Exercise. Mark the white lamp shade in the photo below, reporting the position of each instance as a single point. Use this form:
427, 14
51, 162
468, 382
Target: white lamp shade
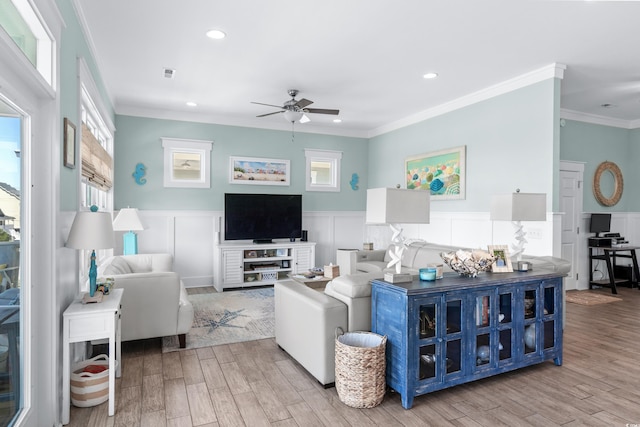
519, 207
397, 206
91, 230
127, 220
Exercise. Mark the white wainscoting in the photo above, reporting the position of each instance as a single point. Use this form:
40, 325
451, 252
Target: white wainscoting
190, 237
473, 230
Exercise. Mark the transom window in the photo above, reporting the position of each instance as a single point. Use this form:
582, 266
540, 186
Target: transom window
323, 170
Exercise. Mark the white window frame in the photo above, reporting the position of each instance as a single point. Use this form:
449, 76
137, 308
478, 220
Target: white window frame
202, 149
328, 156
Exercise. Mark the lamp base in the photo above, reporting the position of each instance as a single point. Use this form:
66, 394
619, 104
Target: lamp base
398, 277
129, 243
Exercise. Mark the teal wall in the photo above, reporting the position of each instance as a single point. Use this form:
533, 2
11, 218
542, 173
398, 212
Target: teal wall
73, 46
594, 144
511, 142
138, 141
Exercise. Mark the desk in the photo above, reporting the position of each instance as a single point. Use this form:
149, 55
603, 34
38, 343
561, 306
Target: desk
609, 256
86, 322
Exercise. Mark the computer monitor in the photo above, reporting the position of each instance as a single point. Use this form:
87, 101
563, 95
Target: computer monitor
600, 223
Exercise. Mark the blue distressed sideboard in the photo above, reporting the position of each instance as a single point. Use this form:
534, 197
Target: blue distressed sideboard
460, 329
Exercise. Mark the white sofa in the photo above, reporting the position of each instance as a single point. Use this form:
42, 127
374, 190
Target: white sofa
306, 319
418, 254
155, 302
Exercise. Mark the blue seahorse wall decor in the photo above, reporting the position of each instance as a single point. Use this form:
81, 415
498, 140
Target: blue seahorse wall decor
139, 173
354, 181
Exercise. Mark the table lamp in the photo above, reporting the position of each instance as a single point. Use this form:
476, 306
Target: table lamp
394, 206
518, 207
91, 230
128, 220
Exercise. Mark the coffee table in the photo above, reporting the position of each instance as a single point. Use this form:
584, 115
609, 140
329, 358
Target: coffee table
318, 282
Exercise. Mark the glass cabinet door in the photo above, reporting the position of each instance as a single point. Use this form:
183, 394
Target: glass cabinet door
506, 300
482, 317
453, 335
531, 306
427, 328
549, 310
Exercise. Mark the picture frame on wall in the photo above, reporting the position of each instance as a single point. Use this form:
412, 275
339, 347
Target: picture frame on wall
442, 172
502, 264
259, 171
69, 141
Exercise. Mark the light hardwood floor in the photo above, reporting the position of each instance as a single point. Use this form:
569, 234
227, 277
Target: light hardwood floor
257, 384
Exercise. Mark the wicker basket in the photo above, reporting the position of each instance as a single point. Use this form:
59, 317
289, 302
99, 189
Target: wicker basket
360, 368
89, 389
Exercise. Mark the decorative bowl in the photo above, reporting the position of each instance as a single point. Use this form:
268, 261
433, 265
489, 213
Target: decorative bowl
468, 263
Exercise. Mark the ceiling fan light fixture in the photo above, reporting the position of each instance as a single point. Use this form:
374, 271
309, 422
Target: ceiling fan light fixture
216, 34
337, 120
292, 116
304, 119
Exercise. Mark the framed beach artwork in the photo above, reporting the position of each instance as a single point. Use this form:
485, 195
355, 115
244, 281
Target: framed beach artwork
259, 171
440, 172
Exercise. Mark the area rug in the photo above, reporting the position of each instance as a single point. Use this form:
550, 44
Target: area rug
590, 298
228, 317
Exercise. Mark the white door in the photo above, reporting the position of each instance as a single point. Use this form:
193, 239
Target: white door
571, 178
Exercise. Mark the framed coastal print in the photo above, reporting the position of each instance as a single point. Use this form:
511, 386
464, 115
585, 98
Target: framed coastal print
502, 264
440, 172
259, 171
69, 144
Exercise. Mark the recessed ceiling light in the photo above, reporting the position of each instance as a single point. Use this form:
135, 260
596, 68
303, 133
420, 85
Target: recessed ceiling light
216, 34
430, 75
192, 104
337, 120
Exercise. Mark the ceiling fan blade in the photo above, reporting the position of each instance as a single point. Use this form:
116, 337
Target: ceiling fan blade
321, 111
303, 103
268, 105
269, 114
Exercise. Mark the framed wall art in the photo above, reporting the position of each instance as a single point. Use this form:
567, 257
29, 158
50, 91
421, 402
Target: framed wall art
502, 264
69, 136
440, 172
259, 171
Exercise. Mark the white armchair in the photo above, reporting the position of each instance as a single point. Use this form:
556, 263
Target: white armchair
155, 302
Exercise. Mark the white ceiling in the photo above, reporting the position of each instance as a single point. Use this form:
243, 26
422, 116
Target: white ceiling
364, 57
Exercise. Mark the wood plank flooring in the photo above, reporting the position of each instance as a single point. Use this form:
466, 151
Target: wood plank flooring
257, 384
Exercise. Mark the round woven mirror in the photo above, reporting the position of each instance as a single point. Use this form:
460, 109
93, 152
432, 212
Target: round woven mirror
618, 183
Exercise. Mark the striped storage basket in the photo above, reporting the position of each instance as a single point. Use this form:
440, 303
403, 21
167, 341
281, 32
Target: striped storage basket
89, 389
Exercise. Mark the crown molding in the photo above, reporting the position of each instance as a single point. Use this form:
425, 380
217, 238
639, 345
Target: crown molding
598, 120
550, 71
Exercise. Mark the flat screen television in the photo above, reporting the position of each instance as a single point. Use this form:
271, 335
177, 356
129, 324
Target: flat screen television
600, 223
262, 217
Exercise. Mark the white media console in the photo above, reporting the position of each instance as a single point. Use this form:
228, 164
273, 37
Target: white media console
240, 265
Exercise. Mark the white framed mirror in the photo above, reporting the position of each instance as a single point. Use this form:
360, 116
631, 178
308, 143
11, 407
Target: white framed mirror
187, 163
323, 170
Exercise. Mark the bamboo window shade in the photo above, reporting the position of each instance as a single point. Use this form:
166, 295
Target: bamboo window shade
97, 164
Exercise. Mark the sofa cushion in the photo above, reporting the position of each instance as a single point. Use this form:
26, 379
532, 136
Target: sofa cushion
141, 263
353, 285
116, 265
371, 266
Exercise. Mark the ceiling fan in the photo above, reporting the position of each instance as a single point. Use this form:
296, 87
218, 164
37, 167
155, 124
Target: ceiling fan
294, 110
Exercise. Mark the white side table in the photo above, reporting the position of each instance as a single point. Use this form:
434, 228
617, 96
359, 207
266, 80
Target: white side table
86, 322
